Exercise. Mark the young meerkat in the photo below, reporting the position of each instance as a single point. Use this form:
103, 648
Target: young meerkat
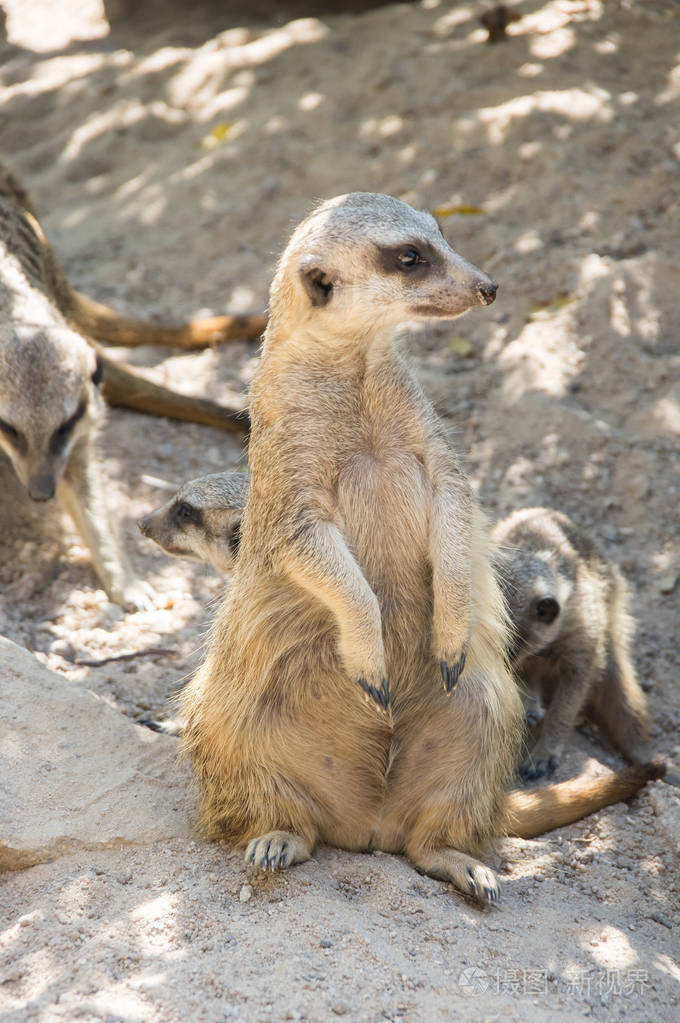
202, 520
363, 568
50, 407
571, 635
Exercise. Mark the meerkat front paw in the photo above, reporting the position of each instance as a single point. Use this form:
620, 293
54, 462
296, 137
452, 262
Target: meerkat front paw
276, 850
451, 671
378, 691
135, 595
365, 664
451, 642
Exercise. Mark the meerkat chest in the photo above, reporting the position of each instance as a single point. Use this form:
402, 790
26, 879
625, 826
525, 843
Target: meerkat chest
383, 503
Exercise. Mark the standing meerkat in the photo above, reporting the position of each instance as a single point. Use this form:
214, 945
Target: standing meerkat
571, 635
50, 407
202, 520
364, 568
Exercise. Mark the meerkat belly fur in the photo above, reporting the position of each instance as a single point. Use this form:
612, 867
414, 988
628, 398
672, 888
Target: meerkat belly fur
202, 520
363, 569
571, 635
50, 407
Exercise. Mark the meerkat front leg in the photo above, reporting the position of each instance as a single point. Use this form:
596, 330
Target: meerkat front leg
321, 563
450, 553
559, 719
82, 491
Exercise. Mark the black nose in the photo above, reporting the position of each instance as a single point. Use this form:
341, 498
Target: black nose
486, 291
41, 487
144, 525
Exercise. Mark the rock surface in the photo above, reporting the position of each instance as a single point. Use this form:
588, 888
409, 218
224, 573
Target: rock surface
76, 774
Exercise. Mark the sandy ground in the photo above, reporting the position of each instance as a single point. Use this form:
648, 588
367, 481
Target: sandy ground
169, 157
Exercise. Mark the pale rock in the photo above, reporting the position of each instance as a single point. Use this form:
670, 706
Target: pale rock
76, 774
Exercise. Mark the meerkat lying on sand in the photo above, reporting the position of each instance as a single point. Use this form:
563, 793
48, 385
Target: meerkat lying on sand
572, 631
202, 520
363, 570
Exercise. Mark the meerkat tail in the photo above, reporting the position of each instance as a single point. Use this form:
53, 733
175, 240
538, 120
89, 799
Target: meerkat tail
533, 812
104, 324
123, 385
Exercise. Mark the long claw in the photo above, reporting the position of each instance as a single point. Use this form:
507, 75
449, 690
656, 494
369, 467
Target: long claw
386, 692
452, 674
381, 695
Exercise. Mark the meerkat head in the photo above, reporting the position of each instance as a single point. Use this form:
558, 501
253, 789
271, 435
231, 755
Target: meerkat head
535, 593
203, 519
48, 399
366, 261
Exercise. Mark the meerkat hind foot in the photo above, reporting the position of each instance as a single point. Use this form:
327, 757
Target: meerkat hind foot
468, 875
276, 850
534, 768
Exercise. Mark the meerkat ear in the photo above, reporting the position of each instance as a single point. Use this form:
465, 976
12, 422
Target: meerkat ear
318, 283
547, 610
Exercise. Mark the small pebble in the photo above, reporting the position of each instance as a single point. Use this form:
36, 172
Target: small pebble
62, 648
246, 893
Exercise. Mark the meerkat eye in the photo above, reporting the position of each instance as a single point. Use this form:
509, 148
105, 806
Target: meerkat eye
409, 257
61, 435
10, 432
185, 513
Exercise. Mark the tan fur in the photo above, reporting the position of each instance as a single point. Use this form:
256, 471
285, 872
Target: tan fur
363, 556
50, 408
579, 659
531, 813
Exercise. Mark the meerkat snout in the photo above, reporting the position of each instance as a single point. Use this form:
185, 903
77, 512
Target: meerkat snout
486, 291
547, 610
144, 525
41, 487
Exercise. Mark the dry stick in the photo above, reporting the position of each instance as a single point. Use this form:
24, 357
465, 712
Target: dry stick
104, 324
532, 812
96, 662
123, 385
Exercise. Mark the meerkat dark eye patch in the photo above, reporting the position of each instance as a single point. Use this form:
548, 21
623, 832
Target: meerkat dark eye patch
414, 259
13, 435
547, 610
98, 372
186, 514
318, 285
62, 434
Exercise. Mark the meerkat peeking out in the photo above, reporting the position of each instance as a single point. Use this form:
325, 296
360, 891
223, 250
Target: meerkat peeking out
571, 636
356, 690
203, 519
50, 407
